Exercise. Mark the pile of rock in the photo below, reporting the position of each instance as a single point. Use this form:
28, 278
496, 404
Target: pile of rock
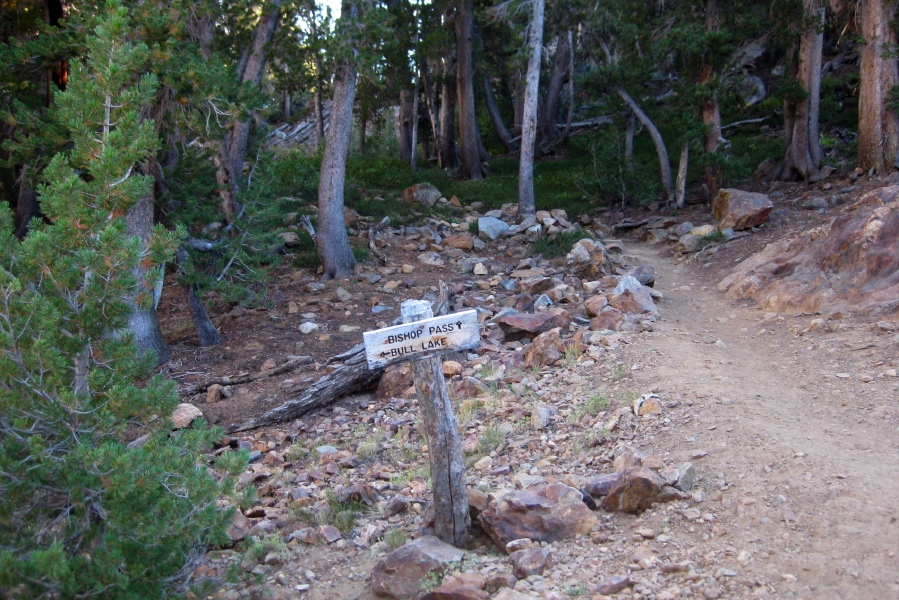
734, 210
851, 265
524, 523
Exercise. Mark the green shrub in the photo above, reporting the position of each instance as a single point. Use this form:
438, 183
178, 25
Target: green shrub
558, 245
82, 514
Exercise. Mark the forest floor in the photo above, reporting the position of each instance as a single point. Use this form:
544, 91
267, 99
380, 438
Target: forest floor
793, 428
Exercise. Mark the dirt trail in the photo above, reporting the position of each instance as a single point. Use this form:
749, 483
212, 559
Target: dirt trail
801, 449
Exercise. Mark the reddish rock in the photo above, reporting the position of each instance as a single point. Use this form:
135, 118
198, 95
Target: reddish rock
421, 193
462, 241
531, 325
350, 218
600, 485
239, 527
546, 513
531, 561
637, 489
273, 459
594, 304
544, 350
470, 387
613, 585
329, 534
395, 506
628, 458
535, 285
184, 415
634, 302
465, 586
738, 209
608, 318
587, 259
451, 368
365, 494
394, 382
852, 265
499, 581
401, 574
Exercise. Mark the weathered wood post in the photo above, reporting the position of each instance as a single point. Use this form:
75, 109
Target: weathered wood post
422, 339
453, 520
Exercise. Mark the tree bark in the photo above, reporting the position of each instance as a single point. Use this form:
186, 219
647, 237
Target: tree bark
469, 136
431, 106
27, 205
497, 119
414, 146
404, 125
878, 123
317, 93
661, 150
143, 322
446, 153
527, 204
801, 114
549, 115
629, 142
332, 242
711, 111
251, 74
680, 188
570, 116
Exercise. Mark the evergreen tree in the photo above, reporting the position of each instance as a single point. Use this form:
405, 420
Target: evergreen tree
82, 514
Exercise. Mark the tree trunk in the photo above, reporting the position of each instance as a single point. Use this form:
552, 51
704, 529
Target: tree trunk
447, 145
143, 322
251, 74
497, 119
414, 146
469, 136
431, 105
518, 112
363, 124
332, 242
801, 114
549, 116
711, 111
629, 142
27, 205
404, 125
878, 123
680, 188
527, 204
317, 95
661, 150
570, 116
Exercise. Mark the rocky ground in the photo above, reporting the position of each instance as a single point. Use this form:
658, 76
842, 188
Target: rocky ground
787, 425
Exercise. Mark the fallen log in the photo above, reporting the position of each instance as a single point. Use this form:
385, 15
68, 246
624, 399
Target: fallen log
351, 376
199, 388
627, 224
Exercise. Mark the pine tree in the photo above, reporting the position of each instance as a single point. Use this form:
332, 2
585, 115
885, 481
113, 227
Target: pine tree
82, 514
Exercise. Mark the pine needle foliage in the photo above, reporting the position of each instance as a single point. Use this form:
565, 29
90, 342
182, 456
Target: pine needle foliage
82, 514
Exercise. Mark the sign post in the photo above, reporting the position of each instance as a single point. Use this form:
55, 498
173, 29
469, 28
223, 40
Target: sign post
422, 338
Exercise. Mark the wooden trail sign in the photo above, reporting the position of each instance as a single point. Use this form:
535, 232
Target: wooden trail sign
422, 339
413, 341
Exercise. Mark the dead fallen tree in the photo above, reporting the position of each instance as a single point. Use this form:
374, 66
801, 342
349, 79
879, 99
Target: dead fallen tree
351, 376
199, 388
